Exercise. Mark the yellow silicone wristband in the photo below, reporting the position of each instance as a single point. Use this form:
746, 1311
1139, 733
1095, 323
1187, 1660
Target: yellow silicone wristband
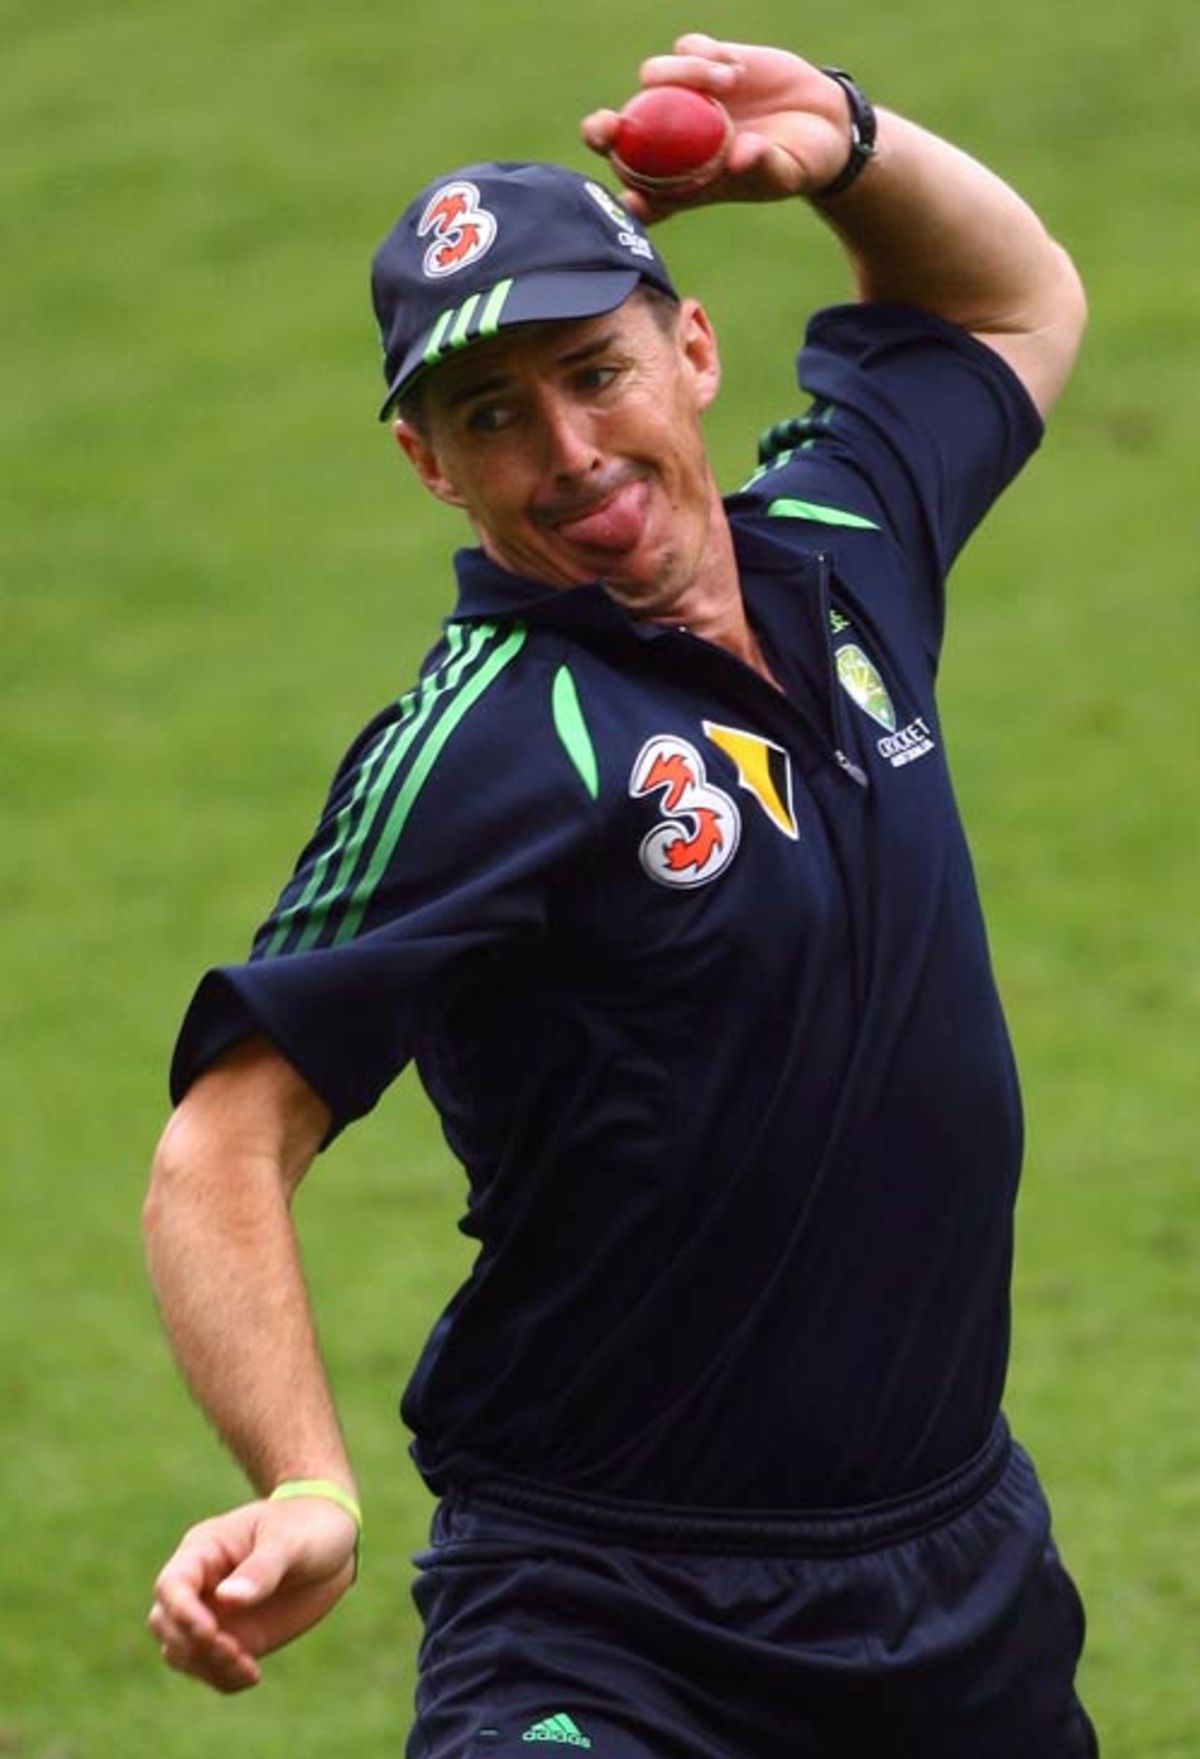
319, 1487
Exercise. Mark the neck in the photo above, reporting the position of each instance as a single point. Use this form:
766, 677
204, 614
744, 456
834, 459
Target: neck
731, 629
712, 606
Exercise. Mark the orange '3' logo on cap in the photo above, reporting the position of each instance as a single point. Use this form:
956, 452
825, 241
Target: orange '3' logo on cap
463, 231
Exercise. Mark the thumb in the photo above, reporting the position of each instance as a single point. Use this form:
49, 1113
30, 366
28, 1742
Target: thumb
256, 1577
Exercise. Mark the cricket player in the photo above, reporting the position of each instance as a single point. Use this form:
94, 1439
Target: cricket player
657, 877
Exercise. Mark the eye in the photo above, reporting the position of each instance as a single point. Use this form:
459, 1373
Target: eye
597, 378
489, 418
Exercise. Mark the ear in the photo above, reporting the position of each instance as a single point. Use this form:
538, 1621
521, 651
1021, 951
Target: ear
698, 345
423, 456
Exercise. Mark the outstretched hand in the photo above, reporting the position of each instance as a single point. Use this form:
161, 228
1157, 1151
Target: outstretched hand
247, 1582
791, 124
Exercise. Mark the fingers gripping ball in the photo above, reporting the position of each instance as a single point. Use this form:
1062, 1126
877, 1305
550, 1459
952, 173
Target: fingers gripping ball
670, 140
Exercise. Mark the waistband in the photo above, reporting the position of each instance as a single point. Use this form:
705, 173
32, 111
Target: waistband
792, 1533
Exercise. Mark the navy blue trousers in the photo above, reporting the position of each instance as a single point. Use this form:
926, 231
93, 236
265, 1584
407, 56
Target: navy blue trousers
939, 1627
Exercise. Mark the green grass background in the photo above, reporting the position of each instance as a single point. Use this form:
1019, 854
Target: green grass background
213, 568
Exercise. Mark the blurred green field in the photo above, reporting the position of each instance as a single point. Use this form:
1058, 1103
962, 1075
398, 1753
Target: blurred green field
212, 568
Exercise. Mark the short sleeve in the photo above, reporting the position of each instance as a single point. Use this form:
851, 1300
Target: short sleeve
927, 423
441, 837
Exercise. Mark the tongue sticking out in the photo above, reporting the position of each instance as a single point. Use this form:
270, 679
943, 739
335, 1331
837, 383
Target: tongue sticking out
616, 524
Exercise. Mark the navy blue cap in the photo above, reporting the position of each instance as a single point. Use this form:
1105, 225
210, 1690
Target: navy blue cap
491, 245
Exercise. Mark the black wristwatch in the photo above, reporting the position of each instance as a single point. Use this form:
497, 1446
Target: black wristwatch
862, 136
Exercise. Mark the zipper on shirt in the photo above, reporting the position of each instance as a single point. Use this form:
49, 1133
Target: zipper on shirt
839, 718
853, 770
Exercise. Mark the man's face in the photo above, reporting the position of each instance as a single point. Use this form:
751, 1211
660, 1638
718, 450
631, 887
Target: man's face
575, 449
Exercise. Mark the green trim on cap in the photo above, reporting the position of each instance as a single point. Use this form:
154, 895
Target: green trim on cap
457, 325
433, 348
462, 324
489, 321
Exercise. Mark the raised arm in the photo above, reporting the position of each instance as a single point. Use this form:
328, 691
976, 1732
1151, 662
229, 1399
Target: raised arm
925, 224
226, 1272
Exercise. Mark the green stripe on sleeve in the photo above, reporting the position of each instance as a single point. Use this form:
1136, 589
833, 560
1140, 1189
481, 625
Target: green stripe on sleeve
353, 824
436, 689
572, 729
788, 509
429, 753
345, 829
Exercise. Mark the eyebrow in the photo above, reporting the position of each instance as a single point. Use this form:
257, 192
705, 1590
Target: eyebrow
490, 384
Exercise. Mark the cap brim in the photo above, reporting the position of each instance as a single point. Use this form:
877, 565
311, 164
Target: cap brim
525, 299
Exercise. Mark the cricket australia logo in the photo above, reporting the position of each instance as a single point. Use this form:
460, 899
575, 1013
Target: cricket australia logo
463, 231
862, 683
626, 233
698, 834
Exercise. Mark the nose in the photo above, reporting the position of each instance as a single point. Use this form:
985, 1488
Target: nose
567, 438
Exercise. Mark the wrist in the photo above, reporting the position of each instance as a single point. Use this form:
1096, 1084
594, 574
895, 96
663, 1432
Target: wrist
327, 1490
322, 1487
863, 129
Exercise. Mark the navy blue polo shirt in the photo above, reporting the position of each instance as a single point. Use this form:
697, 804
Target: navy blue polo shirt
695, 973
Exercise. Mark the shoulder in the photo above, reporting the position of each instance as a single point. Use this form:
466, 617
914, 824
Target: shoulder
905, 391
465, 773
484, 689
914, 427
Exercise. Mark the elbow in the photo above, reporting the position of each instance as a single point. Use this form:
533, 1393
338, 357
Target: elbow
1061, 334
1042, 344
235, 1148
1071, 302
197, 1193
185, 1176
166, 1175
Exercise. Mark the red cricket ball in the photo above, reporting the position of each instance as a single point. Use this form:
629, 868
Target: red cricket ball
670, 139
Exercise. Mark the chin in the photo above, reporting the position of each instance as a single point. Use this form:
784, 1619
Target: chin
660, 579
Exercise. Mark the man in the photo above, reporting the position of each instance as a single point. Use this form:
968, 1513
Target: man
658, 878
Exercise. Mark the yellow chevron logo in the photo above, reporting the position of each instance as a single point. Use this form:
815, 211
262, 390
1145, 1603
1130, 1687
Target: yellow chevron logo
764, 769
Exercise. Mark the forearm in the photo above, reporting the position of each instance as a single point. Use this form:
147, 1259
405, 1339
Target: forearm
226, 1271
928, 225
